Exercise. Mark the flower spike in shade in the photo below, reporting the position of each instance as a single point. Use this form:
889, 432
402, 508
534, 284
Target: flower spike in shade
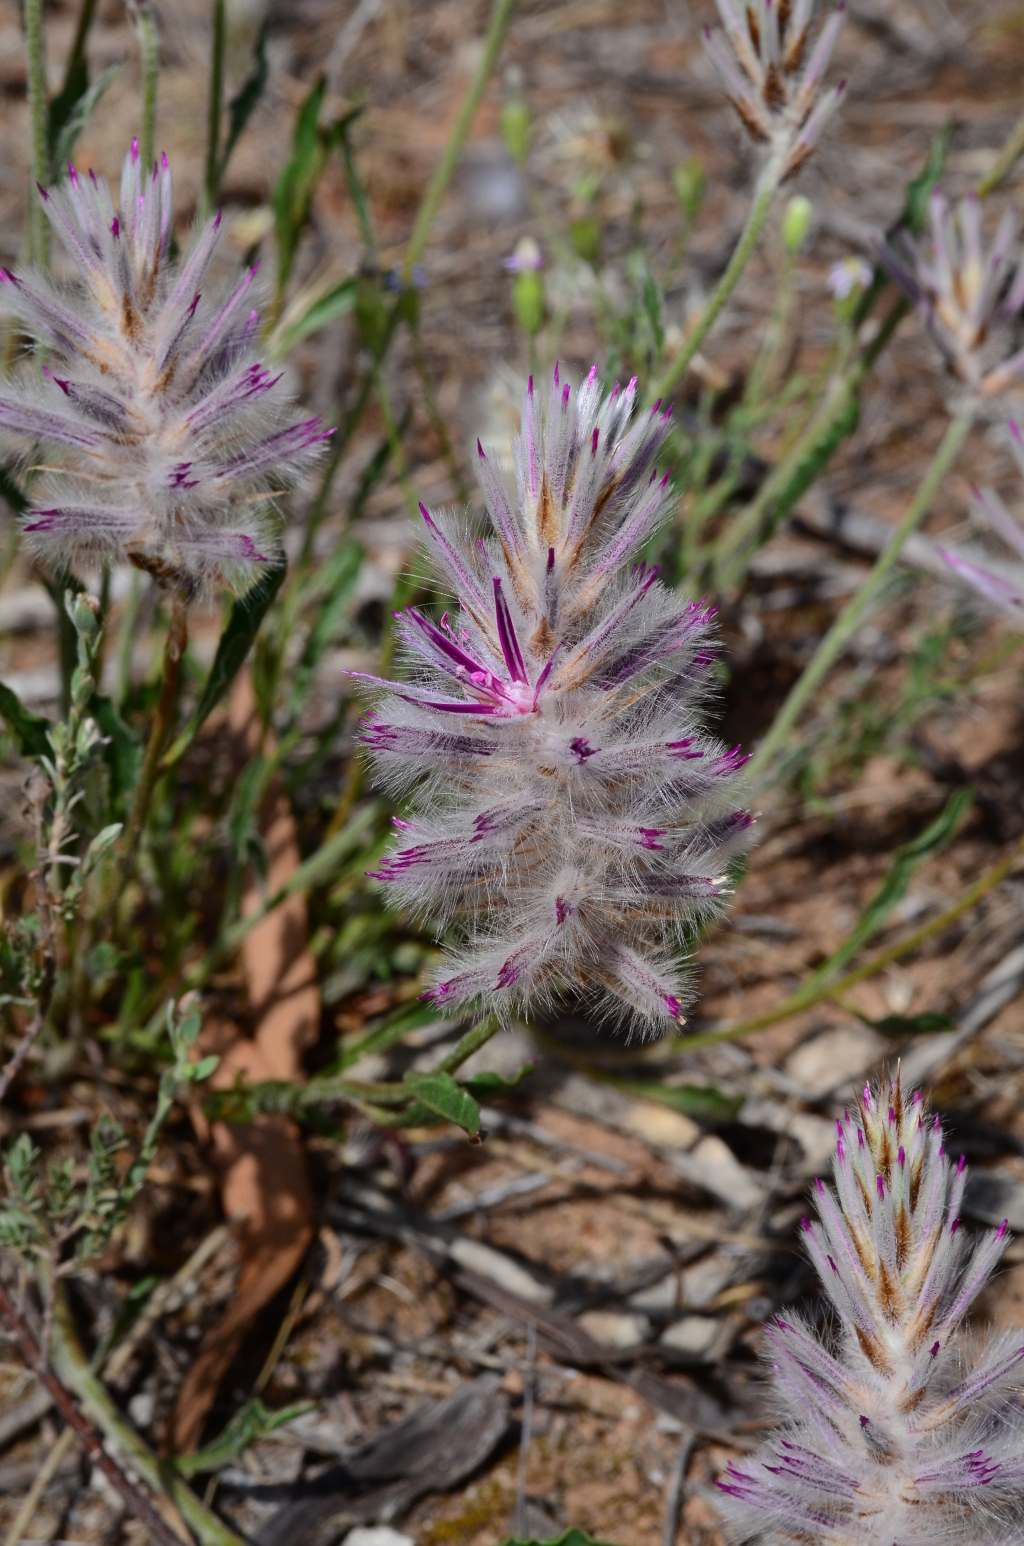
165, 438
771, 75
570, 817
1002, 585
903, 1429
961, 290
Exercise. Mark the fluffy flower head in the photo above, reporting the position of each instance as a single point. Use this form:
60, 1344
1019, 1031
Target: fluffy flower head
900, 1432
1001, 585
164, 436
763, 70
960, 290
568, 812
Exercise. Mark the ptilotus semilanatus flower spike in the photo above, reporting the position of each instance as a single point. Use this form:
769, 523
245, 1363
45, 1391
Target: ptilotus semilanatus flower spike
163, 438
902, 1430
963, 292
773, 75
1001, 586
568, 813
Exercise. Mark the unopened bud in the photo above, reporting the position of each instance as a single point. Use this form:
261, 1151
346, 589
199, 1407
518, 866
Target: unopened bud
796, 222
516, 129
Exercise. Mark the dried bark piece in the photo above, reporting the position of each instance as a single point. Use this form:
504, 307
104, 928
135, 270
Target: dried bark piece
434, 1448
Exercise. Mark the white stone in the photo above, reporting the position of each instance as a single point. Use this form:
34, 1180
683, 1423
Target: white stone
501, 1269
694, 1335
830, 1060
613, 1329
377, 1535
713, 1166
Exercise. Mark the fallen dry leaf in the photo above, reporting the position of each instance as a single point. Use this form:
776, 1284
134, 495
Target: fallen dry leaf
261, 1165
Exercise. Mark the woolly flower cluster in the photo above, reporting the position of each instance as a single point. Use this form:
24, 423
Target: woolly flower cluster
961, 291
568, 812
779, 102
163, 435
1005, 587
902, 1434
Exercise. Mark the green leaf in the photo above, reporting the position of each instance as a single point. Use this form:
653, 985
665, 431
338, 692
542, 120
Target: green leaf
910, 1025
205, 1067
122, 752
334, 303
488, 1086
897, 878
64, 135
337, 580
253, 1422
242, 105
919, 189
440, 1094
294, 189
702, 1101
247, 614
31, 731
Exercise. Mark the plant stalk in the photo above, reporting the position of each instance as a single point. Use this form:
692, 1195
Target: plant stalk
174, 649
767, 186
806, 997
854, 614
210, 189
501, 16
149, 49
35, 48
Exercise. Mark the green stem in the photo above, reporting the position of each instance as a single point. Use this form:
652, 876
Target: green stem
807, 996
764, 196
174, 649
854, 614
149, 50
501, 15
476, 1037
803, 463
395, 444
72, 1369
1004, 161
35, 48
216, 97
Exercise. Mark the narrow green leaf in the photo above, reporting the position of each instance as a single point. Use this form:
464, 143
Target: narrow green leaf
573, 1537
440, 1093
335, 303
122, 752
336, 582
251, 1423
919, 189
65, 138
247, 614
31, 731
894, 886
488, 1086
410, 1017
702, 1101
910, 1025
242, 105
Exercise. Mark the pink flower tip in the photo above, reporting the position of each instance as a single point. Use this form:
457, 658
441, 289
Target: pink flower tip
135, 150
881, 1188
1001, 1231
933, 1350
42, 191
961, 1162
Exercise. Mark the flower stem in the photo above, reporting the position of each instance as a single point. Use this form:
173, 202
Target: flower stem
474, 1038
149, 49
501, 15
216, 95
767, 186
854, 614
174, 649
35, 48
807, 996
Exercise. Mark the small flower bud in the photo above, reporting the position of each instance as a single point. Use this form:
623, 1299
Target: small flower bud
796, 223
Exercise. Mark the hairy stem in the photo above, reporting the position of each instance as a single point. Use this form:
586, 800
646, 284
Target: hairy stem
474, 1038
210, 189
149, 49
56, 1382
501, 15
72, 1368
854, 614
35, 48
803, 463
767, 186
21, 1051
174, 649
